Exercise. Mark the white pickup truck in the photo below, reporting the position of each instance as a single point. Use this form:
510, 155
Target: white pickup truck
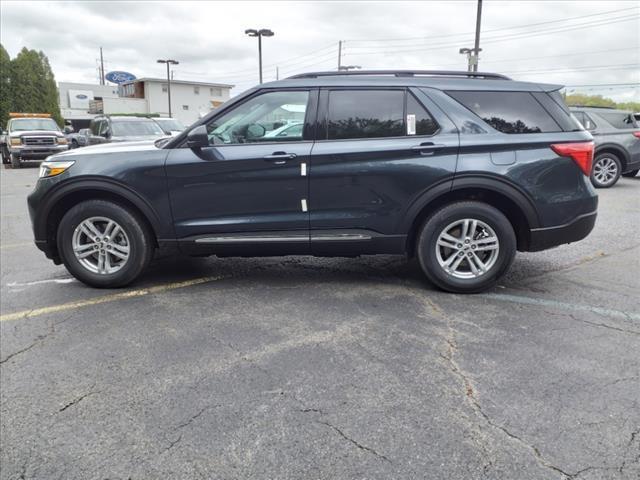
30, 136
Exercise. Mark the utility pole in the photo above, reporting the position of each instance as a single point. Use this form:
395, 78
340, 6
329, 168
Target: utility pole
263, 32
473, 54
476, 47
277, 73
169, 63
101, 68
339, 55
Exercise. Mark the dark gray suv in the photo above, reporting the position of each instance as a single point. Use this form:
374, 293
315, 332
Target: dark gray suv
617, 142
458, 169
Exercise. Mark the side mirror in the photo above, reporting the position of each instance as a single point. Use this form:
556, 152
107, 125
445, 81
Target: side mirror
255, 130
107, 133
197, 137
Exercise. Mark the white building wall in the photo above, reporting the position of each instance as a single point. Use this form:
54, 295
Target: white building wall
183, 96
101, 91
125, 105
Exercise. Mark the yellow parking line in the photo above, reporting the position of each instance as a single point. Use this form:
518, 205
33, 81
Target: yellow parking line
16, 245
104, 299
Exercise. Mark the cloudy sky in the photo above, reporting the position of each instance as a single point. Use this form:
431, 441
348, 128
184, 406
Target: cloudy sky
576, 43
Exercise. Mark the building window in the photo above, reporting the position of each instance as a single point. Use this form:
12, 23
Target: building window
215, 91
196, 90
165, 88
185, 107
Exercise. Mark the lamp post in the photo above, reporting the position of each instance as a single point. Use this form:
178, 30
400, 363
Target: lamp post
169, 62
263, 32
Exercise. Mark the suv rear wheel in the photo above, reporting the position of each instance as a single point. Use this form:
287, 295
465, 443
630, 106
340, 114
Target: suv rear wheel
104, 244
466, 247
606, 170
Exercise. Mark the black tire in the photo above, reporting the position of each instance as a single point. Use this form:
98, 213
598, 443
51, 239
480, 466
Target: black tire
141, 243
74, 143
15, 161
6, 159
438, 222
602, 159
631, 174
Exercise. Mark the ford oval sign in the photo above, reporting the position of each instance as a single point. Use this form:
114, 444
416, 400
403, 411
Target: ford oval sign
120, 77
81, 96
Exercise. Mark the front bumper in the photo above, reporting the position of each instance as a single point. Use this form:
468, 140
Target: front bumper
37, 153
549, 237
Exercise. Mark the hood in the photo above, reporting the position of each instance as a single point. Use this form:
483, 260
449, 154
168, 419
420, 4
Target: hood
106, 148
134, 138
29, 133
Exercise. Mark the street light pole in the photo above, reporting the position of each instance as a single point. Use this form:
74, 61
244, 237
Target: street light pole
169, 62
263, 32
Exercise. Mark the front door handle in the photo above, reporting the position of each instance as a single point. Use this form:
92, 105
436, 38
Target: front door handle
425, 147
279, 158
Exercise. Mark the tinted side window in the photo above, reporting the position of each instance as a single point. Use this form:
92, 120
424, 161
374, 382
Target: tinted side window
618, 119
508, 112
94, 126
262, 119
424, 123
365, 114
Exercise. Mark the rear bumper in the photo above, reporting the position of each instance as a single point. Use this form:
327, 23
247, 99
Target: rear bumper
548, 237
633, 163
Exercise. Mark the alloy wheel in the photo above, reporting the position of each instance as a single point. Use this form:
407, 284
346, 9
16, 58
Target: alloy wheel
605, 170
467, 248
101, 245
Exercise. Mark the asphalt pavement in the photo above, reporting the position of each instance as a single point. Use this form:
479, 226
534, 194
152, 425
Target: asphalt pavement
311, 368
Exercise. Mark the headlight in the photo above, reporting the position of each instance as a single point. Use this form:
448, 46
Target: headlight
16, 141
62, 141
51, 169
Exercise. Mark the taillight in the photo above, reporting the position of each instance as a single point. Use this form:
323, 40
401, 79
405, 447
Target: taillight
581, 153
636, 134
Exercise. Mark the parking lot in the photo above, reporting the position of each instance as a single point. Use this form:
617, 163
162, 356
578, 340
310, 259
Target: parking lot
311, 368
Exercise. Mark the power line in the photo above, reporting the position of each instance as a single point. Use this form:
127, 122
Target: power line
493, 39
497, 29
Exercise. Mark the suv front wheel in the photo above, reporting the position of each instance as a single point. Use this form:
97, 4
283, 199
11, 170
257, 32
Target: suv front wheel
466, 247
104, 244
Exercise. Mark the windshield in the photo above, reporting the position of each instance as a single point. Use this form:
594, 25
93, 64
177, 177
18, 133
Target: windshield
133, 128
170, 124
25, 124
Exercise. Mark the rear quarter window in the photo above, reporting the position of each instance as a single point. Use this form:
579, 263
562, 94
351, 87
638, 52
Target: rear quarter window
620, 120
508, 112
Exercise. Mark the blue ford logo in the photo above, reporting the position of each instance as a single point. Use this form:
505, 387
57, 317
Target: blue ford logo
81, 96
120, 77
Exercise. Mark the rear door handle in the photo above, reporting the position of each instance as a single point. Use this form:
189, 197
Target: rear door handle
279, 158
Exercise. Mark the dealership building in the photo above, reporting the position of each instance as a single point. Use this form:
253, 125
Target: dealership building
80, 102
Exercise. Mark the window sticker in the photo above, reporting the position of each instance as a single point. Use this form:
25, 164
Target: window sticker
411, 124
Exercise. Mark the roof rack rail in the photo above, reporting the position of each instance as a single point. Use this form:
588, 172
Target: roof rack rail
404, 73
592, 106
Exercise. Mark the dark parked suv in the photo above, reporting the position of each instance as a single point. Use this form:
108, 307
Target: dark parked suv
459, 169
617, 143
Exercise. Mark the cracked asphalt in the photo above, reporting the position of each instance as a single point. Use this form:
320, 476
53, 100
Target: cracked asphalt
309, 368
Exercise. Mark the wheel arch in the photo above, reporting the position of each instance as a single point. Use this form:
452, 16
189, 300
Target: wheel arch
614, 149
509, 200
71, 194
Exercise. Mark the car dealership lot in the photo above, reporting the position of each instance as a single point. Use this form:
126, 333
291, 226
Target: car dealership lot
303, 367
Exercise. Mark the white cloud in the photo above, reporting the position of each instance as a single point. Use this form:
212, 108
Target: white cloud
208, 38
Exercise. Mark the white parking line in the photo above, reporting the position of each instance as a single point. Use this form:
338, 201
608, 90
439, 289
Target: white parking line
607, 312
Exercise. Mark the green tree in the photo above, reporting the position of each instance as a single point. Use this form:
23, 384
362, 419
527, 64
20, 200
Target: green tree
33, 85
581, 99
5, 86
